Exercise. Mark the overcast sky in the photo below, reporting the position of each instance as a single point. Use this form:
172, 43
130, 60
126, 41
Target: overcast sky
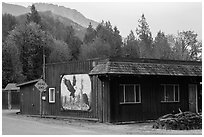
170, 17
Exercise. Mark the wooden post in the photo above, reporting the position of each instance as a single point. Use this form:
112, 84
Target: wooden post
41, 105
9, 99
43, 66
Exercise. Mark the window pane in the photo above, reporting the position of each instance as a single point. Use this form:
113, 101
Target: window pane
51, 94
137, 93
176, 93
169, 93
121, 93
129, 93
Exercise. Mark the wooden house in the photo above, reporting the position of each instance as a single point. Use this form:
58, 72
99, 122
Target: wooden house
120, 90
11, 97
29, 98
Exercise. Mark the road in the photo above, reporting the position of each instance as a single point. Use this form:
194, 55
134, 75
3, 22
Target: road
13, 124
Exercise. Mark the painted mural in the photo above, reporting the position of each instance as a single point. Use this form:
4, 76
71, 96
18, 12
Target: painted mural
76, 92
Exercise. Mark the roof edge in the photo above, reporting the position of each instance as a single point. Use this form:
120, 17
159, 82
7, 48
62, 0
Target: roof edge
28, 82
150, 60
106, 70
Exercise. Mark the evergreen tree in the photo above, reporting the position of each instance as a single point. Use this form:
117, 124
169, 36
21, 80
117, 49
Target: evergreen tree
131, 46
145, 37
73, 42
116, 42
8, 23
29, 41
90, 34
97, 49
7, 67
110, 36
34, 16
162, 48
104, 31
11, 65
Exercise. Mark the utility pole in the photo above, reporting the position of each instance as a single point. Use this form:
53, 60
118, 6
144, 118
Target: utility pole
43, 62
41, 105
43, 66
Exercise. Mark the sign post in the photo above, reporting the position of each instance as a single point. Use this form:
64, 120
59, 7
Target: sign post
41, 86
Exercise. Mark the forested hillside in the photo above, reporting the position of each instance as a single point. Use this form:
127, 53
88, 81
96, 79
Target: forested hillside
56, 24
62, 11
27, 37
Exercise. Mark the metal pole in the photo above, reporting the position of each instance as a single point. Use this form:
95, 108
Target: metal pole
40, 104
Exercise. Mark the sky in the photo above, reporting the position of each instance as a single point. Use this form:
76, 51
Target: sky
169, 17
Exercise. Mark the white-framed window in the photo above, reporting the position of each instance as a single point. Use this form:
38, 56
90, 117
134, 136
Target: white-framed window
170, 93
130, 93
51, 95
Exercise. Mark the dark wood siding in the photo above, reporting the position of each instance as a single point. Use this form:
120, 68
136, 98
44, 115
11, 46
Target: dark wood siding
106, 100
105, 105
54, 73
5, 100
101, 93
15, 100
123, 112
151, 106
29, 100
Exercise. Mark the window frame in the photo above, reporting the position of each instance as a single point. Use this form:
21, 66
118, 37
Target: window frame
135, 96
164, 94
53, 95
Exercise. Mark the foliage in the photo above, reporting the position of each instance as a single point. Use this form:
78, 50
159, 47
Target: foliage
97, 49
7, 67
111, 36
60, 52
33, 16
11, 65
145, 37
30, 41
162, 48
131, 46
24, 41
90, 34
116, 43
73, 42
54, 27
8, 23
143, 30
106, 42
188, 46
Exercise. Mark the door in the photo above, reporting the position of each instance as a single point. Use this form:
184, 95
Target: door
193, 98
199, 97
